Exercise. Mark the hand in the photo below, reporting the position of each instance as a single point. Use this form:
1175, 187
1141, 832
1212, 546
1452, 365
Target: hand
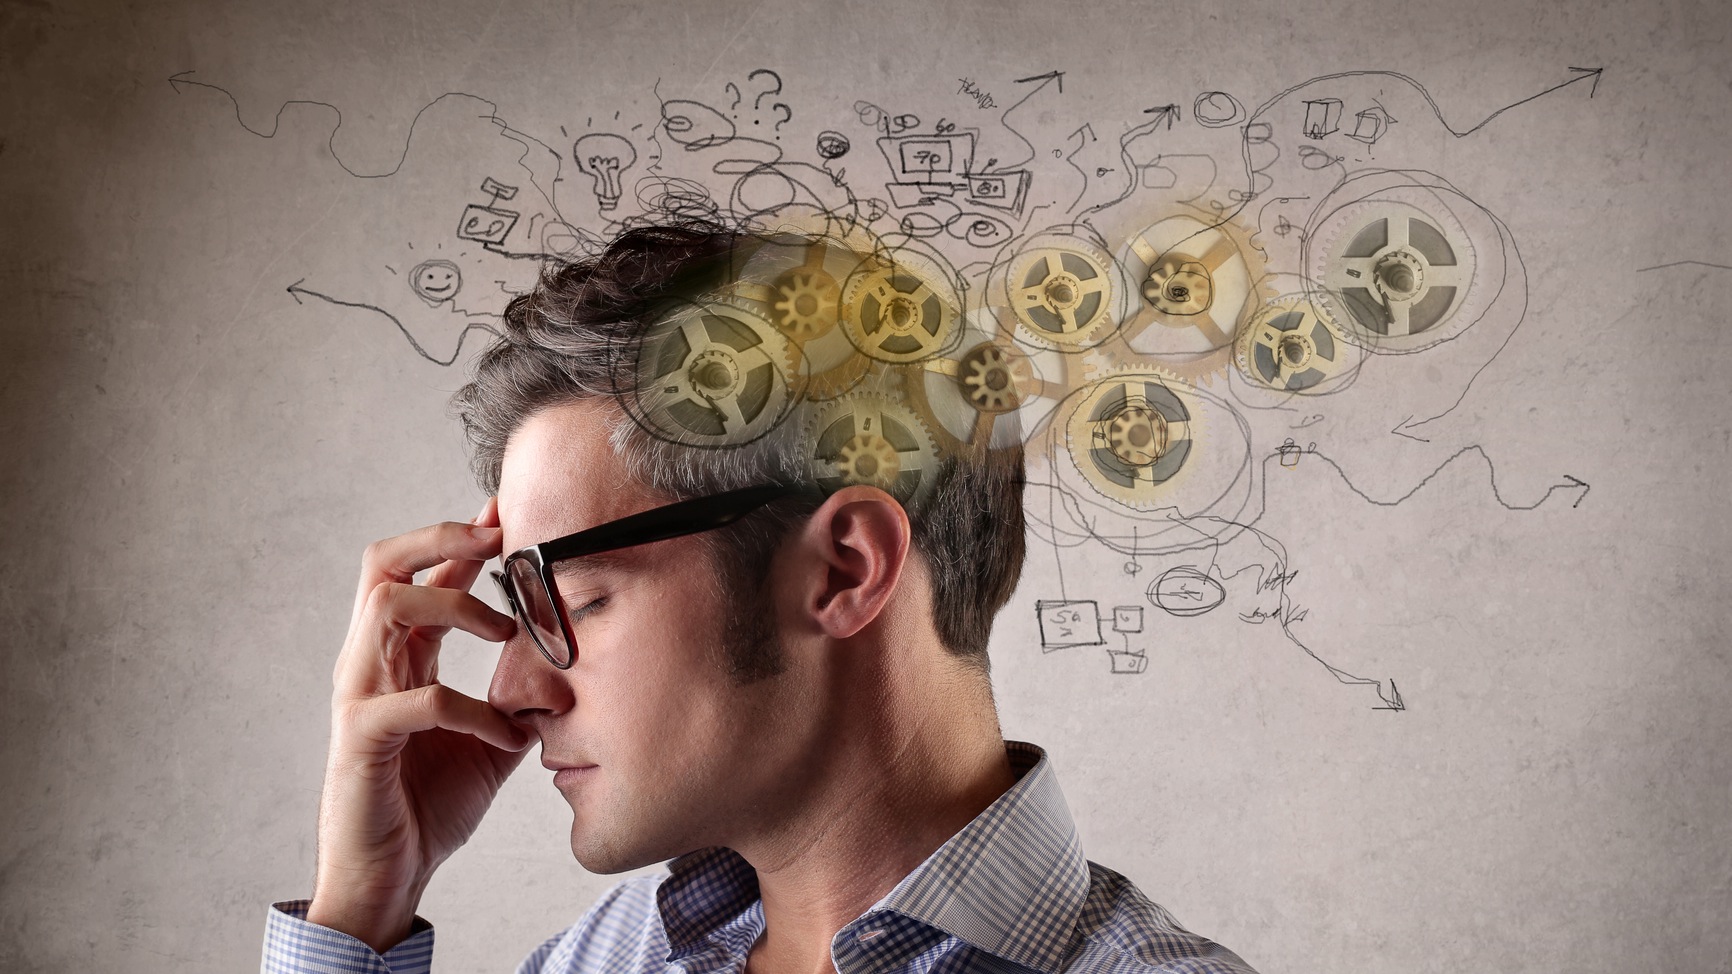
413, 764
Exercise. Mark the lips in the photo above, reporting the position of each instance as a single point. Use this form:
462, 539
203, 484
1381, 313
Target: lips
567, 776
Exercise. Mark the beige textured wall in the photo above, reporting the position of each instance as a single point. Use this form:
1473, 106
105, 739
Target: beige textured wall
194, 460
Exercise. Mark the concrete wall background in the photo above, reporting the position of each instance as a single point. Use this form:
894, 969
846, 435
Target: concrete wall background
194, 462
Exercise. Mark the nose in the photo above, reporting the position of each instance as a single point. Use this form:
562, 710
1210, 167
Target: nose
525, 684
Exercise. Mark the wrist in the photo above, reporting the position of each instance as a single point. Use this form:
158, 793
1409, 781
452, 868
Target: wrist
379, 921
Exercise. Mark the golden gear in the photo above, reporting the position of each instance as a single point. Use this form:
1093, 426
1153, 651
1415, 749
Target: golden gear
1064, 292
713, 375
804, 303
899, 309
1292, 345
1398, 268
992, 376
809, 304
868, 439
1130, 436
1200, 279
868, 458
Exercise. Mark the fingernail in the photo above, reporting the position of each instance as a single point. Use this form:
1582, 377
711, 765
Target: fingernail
485, 534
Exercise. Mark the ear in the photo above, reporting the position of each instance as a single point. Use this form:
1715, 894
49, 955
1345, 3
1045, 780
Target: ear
854, 547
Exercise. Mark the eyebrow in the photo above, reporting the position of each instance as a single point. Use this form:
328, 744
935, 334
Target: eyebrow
619, 560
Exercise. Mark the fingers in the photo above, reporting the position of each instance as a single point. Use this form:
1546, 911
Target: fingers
398, 559
394, 617
462, 574
385, 721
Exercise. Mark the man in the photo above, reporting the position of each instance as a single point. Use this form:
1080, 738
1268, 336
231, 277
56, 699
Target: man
755, 647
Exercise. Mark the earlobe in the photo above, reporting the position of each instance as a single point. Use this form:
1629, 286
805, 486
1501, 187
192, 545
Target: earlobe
862, 537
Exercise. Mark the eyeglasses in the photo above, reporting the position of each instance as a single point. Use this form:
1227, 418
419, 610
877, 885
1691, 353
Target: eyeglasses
527, 580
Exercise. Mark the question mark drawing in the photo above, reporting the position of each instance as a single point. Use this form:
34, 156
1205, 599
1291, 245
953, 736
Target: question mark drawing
736, 90
787, 115
758, 102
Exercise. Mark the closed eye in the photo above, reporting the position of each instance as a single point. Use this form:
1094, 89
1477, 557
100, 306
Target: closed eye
585, 609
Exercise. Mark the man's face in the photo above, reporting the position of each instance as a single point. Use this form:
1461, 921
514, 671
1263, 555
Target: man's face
677, 756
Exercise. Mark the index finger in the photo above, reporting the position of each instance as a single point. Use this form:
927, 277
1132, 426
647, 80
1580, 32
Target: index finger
398, 559
461, 574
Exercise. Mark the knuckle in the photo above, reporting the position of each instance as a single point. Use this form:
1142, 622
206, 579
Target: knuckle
373, 554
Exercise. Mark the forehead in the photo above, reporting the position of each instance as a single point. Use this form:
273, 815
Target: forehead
560, 475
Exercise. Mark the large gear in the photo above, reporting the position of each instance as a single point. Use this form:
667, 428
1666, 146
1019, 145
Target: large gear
1131, 435
712, 375
1199, 279
1292, 345
898, 308
1064, 292
1398, 269
869, 439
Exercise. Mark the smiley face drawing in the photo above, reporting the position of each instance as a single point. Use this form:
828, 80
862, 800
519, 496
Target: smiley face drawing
436, 281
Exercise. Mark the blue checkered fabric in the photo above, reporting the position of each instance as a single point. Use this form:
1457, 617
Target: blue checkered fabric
1009, 894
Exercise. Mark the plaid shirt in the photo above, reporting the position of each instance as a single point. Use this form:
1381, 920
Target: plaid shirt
1009, 894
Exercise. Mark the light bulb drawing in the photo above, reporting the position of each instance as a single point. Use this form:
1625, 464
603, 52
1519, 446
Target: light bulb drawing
604, 156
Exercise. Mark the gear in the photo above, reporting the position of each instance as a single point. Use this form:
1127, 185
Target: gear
1398, 269
1292, 345
713, 375
898, 309
803, 302
1131, 435
1064, 292
992, 376
1199, 278
808, 303
868, 439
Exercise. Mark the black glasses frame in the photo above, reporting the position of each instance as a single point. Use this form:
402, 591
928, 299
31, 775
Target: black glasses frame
656, 524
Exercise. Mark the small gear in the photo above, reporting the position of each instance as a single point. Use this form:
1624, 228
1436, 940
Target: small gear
867, 458
1292, 345
869, 439
992, 376
712, 375
1131, 434
807, 305
1064, 292
1177, 286
898, 308
1398, 268
1199, 278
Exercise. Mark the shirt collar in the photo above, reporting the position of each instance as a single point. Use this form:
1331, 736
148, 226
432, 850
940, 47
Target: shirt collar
1011, 883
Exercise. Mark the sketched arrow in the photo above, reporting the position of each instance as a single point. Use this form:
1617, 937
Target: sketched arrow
1043, 79
1573, 482
177, 77
295, 290
1586, 72
1400, 429
1391, 701
1581, 74
1164, 113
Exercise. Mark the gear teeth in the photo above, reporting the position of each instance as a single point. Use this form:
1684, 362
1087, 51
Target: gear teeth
871, 439
1131, 435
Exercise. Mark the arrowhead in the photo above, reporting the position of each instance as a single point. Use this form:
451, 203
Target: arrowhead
1575, 482
1400, 429
1393, 701
176, 77
1596, 72
291, 289
1049, 76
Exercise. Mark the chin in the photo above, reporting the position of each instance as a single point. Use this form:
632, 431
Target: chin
605, 855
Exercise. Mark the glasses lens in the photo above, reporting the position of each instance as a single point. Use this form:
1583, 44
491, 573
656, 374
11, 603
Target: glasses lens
538, 611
